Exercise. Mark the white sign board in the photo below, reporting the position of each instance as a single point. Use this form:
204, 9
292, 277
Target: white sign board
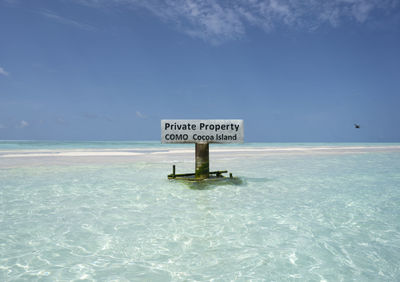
202, 131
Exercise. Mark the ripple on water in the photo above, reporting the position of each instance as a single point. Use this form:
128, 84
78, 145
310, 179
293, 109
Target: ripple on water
305, 217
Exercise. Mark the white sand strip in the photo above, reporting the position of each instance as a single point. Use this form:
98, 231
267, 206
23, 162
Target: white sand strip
72, 154
163, 151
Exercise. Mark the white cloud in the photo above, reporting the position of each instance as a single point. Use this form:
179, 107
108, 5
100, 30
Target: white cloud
140, 115
217, 20
55, 17
60, 120
361, 10
23, 124
3, 72
11, 2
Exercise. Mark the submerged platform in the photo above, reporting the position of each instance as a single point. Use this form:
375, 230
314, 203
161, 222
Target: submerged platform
215, 178
191, 177
213, 175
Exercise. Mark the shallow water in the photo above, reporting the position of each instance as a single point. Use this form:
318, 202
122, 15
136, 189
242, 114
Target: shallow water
294, 217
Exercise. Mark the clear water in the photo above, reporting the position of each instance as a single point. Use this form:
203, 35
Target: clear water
306, 217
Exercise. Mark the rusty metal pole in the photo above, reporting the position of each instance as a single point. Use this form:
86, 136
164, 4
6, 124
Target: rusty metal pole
202, 161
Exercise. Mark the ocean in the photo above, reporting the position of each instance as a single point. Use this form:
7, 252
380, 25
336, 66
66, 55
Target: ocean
106, 211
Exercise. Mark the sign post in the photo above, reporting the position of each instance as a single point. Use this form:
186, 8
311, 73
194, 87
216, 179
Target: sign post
202, 133
202, 161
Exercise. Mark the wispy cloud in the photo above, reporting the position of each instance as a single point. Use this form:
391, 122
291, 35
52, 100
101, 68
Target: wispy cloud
63, 20
216, 21
23, 124
3, 72
140, 115
90, 116
60, 120
11, 2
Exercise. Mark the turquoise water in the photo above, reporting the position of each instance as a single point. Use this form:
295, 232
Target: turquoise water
294, 217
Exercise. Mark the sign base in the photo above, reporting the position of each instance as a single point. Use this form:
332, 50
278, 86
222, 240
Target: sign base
212, 175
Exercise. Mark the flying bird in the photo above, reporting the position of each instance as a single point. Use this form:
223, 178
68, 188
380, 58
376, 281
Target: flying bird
356, 125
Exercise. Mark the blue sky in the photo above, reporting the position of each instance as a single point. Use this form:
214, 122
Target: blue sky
294, 71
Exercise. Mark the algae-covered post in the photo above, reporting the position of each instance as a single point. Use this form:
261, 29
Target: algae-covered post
202, 161
202, 132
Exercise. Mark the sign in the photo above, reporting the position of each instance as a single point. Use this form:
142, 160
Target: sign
202, 131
